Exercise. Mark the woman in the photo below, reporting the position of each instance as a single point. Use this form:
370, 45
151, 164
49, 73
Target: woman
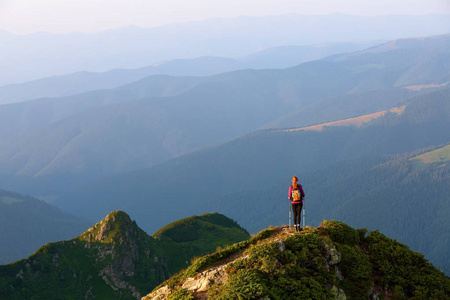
296, 195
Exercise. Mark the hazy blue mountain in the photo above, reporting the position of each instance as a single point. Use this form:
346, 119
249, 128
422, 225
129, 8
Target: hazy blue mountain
113, 131
20, 118
80, 82
30, 57
289, 56
27, 223
345, 106
133, 134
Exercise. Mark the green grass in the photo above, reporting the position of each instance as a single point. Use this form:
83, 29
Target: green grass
197, 236
435, 156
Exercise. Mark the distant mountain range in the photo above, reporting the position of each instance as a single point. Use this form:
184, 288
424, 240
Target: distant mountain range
115, 259
27, 223
39, 55
69, 141
80, 82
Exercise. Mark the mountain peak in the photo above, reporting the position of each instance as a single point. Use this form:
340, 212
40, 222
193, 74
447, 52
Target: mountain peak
116, 227
332, 261
186, 229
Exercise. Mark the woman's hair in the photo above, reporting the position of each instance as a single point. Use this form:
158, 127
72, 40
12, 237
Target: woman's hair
295, 180
295, 177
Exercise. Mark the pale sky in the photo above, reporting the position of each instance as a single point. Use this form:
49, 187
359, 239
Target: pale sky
63, 16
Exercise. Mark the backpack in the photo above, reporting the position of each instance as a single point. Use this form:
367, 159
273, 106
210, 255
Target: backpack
296, 195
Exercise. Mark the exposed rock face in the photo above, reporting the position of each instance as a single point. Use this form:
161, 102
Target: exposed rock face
332, 256
159, 294
281, 245
203, 281
116, 226
339, 293
119, 227
200, 283
121, 248
116, 238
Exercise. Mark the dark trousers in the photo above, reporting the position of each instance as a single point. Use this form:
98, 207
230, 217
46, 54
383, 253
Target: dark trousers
297, 210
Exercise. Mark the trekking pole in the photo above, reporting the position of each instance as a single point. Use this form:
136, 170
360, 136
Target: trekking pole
290, 211
304, 212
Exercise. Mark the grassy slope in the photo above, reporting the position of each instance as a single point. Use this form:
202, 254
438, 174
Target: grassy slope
26, 223
370, 264
197, 235
438, 155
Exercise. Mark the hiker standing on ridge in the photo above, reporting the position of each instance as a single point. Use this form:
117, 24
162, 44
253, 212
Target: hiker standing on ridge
296, 195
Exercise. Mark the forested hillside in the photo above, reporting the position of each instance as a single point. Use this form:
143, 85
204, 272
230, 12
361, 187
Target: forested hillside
347, 106
27, 223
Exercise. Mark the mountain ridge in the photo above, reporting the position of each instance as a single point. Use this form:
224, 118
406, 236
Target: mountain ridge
84, 81
244, 100
114, 259
133, 49
332, 261
356, 121
26, 223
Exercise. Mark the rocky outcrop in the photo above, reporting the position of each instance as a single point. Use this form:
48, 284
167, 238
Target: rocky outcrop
117, 227
198, 284
331, 255
116, 240
158, 294
338, 293
203, 281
